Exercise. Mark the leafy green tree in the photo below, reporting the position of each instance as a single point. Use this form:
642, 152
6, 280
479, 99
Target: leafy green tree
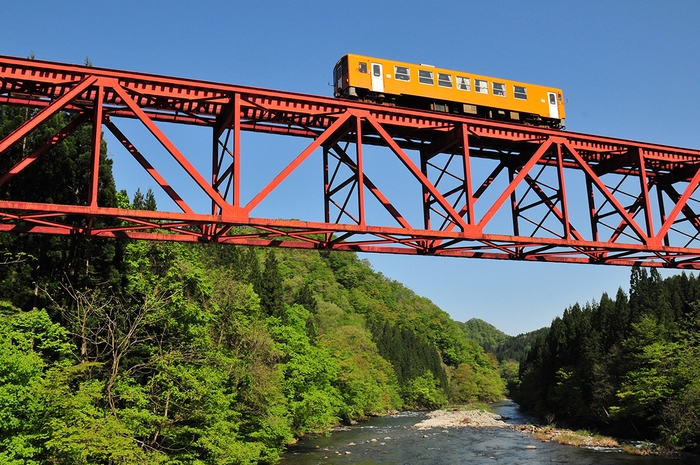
680, 415
424, 392
310, 374
77, 429
366, 381
464, 388
649, 364
30, 345
509, 374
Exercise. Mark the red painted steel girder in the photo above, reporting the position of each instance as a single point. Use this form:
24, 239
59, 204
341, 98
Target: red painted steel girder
482, 189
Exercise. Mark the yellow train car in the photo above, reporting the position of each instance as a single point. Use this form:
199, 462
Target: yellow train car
427, 87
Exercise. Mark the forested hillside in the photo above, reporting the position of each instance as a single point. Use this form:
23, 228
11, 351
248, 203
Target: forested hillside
629, 365
146, 352
508, 350
498, 343
487, 335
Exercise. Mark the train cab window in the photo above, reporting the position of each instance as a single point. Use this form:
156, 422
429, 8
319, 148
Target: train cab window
376, 70
552, 99
363, 68
444, 80
425, 77
463, 83
337, 75
481, 86
520, 92
401, 73
499, 89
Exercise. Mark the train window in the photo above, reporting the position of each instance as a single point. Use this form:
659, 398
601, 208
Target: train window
401, 73
425, 77
337, 75
499, 89
444, 80
463, 83
481, 86
552, 99
363, 68
520, 92
376, 70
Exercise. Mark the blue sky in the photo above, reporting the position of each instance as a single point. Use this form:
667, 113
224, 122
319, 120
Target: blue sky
629, 69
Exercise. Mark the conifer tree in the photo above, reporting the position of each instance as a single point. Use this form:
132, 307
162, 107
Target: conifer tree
305, 297
61, 176
269, 287
144, 202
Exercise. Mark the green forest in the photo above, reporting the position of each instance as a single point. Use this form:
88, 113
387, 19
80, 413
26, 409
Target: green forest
116, 351
628, 366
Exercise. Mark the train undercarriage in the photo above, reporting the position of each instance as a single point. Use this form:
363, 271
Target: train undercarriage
498, 114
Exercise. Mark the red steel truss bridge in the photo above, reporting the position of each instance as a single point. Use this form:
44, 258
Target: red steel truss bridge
390, 179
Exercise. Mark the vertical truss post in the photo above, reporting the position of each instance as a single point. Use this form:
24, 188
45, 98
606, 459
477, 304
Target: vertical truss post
236, 151
226, 155
644, 189
466, 166
562, 193
662, 211
426, 193
326, 189
96, 144
217, 159
593, 213
513, 202
360, 173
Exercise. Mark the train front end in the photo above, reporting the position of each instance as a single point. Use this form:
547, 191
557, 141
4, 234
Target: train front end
341, 79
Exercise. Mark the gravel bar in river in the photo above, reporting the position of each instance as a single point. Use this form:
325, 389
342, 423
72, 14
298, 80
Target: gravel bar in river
459, 418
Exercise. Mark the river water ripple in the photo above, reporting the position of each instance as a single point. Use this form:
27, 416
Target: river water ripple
393, 440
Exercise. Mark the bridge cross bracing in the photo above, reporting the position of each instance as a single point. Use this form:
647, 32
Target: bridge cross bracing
468, 187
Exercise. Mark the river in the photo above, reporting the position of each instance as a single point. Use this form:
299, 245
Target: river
393, 440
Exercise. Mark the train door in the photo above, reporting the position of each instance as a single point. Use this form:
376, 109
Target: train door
377, 78
553, 107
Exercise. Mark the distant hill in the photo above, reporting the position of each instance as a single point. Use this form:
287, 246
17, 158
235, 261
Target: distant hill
487, 335
498, 343
516, 347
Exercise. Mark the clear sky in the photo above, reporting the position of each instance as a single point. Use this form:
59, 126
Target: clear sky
629, 69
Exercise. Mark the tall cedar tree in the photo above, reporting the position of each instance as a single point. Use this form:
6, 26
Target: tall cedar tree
61, 176
269, 288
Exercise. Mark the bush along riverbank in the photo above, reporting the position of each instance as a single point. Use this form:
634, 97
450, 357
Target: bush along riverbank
480, 416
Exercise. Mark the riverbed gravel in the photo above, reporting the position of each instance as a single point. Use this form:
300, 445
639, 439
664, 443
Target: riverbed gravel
461, 418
